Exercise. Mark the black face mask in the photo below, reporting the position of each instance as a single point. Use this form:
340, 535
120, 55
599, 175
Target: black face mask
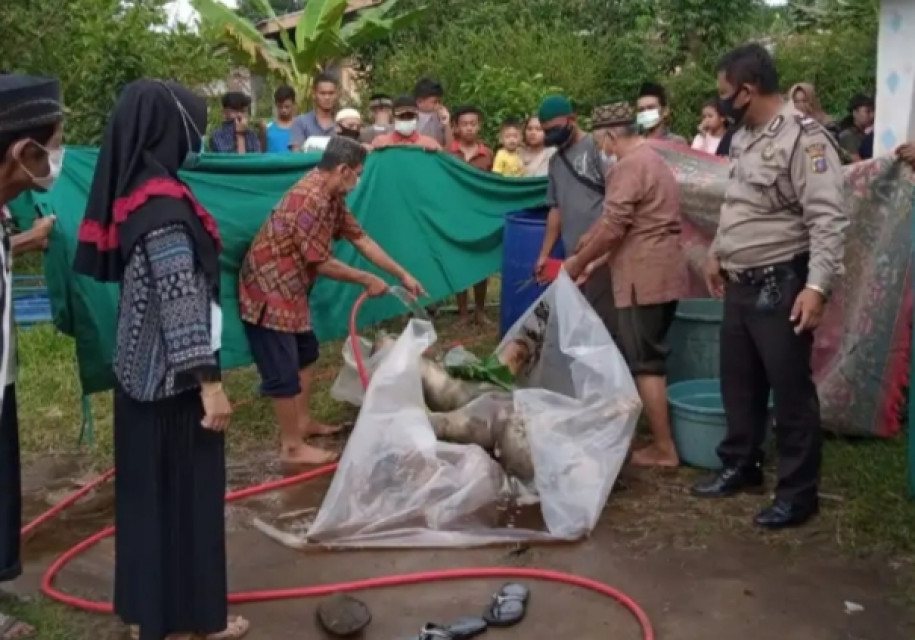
726, 107
557, 136
346, 132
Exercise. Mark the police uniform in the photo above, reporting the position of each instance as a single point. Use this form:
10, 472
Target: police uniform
782, 229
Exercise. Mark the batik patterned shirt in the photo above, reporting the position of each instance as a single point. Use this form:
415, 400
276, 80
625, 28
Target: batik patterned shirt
281, 265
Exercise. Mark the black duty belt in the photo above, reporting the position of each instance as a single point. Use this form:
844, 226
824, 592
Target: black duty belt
797, 266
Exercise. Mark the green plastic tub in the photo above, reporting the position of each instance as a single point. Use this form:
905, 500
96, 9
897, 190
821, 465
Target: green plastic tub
694, 340
697, 421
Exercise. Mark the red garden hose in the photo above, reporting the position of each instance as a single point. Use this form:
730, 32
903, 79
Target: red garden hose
48, 588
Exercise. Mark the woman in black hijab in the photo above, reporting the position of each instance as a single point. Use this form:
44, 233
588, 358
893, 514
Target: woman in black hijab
144, 229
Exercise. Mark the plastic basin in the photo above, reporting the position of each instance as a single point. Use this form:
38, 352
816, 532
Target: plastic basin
694, 340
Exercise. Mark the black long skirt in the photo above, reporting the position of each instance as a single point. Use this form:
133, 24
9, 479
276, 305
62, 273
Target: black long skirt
170, 545
10, 488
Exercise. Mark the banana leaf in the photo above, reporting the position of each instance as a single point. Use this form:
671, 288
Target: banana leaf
489, 370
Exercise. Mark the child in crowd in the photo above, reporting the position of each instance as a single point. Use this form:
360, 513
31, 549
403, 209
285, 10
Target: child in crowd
535, 154
712, 128
468, 148
508, 160
276, 132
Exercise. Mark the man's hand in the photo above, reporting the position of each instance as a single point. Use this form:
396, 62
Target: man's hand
41, 229
540, 270
241, 124
713, 279
574, 267
807, 310
412, 285
430, 145
590, 268
444, 116
374, 286
906, 153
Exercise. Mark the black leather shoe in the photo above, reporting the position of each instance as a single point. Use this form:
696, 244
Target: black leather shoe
782, 514
729, 481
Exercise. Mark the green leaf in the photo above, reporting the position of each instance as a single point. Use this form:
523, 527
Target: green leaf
488, 370
319, 28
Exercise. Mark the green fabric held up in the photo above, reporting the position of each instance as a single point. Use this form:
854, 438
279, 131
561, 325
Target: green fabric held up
439, 218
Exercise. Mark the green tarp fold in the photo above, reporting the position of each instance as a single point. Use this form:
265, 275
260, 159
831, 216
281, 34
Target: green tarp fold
441, 219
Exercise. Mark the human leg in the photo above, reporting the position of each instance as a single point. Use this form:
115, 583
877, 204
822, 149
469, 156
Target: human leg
10, 509
463, 313
479, 301
798, 434
276, 355
642, 338
308, 351
745, 394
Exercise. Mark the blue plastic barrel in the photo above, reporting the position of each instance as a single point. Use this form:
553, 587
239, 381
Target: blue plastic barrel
694, 340
521, 242
31, 303
697, 421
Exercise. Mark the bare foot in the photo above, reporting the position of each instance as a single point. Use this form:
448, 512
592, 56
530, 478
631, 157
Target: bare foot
654, 456
480, 319
306, 454
315, 428
236, 627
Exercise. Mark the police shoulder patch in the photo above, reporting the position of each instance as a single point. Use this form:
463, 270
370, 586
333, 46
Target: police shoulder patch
776, 124
817, 154
809, 125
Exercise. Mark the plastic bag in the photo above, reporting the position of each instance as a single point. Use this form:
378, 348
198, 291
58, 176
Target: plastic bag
397, 485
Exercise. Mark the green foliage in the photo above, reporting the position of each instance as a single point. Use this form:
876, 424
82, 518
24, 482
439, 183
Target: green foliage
502, 93
253, 9
95, 47
320, 38
600, 52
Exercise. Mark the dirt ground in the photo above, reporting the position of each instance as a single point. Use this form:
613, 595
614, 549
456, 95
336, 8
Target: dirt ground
698, 577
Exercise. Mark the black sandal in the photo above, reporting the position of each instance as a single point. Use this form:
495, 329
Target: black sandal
508, 606
343, 616
463, 628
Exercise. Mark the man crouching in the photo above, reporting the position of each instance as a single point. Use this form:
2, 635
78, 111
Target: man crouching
290, 251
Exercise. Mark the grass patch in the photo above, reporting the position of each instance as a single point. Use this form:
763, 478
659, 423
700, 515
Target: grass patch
867, 507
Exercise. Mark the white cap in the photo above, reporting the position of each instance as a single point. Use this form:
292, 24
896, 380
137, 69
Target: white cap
347, 114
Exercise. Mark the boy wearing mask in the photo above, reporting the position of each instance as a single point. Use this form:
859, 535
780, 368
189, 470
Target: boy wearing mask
406, 125
653, 113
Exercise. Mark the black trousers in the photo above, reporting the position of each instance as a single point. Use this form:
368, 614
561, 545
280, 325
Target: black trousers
761, 352
10, 488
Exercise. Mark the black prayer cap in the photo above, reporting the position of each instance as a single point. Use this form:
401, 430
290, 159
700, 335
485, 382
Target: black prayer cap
27, 102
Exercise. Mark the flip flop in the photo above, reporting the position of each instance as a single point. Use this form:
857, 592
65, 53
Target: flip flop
343, 616
508, 606
463, 628
13, 629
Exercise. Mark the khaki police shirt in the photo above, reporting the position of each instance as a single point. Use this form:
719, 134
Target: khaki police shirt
785, 197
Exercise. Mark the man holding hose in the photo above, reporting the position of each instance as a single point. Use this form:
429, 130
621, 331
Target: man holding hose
291, 250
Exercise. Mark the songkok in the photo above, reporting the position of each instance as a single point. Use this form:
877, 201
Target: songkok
347, 114
554, 107
612, 115
380, 103
27, 102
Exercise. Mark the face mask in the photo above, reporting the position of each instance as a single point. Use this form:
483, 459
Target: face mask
352, 134
55, 165
405, 127
726, 106
648, 119
607, 159
557, 136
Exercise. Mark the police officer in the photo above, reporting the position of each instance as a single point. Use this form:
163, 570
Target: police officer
775, 259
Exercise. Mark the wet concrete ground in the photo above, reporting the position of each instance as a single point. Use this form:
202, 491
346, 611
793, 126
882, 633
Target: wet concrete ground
714, 586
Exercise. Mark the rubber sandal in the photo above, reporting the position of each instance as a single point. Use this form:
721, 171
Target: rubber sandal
508, 606
343, 616
14, 629
463, 628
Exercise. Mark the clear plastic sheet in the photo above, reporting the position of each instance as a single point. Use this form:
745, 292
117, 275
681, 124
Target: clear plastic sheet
398, 485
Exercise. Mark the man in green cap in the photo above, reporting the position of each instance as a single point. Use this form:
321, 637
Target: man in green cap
575, 194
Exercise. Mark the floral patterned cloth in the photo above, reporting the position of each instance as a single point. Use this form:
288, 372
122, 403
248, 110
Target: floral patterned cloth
862, 350
279, 268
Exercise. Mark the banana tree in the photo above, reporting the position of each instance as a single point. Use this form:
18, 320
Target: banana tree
320, 37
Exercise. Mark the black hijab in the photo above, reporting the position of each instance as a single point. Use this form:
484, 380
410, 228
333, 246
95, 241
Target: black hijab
136, 188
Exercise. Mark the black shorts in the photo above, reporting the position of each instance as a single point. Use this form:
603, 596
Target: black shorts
279, 357
642, 337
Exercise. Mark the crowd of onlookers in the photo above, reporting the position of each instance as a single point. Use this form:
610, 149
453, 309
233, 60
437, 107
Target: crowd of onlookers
421, 119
